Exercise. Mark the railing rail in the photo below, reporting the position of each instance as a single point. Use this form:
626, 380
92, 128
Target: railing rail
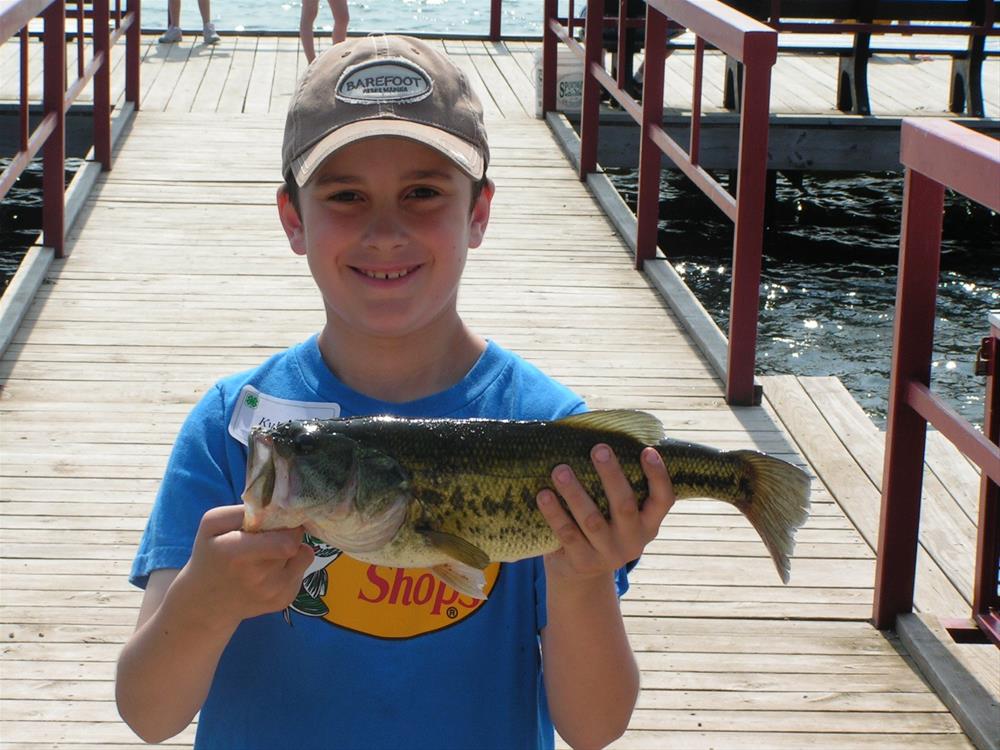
49, 134
753, 44
937, 154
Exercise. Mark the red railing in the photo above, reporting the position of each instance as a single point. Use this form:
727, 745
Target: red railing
49, 135
753, 44
937, 154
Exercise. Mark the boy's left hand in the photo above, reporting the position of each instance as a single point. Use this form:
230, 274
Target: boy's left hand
591, 545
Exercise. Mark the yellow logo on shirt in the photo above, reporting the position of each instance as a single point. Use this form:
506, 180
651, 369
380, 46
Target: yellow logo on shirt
380, 601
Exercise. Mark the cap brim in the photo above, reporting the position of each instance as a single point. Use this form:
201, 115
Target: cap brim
465, 156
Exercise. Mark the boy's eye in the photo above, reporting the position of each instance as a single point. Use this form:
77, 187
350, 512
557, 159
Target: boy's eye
424, 192
345, 196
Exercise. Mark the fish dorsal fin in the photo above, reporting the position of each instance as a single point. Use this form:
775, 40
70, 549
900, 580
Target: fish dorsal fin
457, 548
639, 425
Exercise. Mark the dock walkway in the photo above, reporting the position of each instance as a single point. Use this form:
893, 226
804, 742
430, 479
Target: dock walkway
179, 273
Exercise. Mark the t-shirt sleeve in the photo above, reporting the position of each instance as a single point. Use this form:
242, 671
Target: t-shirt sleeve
197, 478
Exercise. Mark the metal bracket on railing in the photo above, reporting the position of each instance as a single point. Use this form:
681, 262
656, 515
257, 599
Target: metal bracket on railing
984, 363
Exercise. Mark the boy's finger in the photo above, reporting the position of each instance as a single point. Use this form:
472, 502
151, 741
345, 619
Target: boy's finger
278, 544
618, 490
661, 491
221, 520
561, 522
584, 510
300, 562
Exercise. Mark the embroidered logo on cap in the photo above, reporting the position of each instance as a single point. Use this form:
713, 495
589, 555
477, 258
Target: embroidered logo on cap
382, 81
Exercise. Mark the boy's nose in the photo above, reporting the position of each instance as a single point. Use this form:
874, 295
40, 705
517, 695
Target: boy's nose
384, 230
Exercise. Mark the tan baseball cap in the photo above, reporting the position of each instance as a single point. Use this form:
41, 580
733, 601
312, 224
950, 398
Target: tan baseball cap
383, 85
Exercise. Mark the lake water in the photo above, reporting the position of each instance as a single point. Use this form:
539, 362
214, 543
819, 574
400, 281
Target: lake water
519, 17
828, 280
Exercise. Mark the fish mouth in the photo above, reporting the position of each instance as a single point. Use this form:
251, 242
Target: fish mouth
270, 481
260, 471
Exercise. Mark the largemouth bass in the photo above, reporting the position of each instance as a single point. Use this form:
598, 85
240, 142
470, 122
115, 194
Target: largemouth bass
454, 495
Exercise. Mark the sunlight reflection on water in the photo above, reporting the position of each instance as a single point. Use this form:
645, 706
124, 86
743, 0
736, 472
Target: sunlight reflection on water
828, 282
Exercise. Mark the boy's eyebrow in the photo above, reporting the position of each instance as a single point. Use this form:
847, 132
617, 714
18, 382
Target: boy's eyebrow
423, 174
350, 179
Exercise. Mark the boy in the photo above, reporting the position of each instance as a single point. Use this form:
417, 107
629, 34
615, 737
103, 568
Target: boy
385, 157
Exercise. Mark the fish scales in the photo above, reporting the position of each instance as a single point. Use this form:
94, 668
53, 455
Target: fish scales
454, 494
482, 483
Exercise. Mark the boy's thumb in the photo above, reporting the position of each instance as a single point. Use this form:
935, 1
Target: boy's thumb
302, 559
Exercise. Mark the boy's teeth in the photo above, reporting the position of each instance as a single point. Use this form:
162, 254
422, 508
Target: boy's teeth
386, 275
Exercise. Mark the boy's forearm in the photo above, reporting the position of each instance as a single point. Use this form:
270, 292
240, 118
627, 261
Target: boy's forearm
591, 677
166, 670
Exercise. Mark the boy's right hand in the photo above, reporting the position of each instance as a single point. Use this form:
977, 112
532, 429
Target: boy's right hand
233, 574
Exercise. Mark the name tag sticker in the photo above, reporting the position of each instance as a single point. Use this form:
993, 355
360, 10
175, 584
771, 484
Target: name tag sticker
256, 409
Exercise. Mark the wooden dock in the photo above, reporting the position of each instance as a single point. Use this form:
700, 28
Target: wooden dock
179, 273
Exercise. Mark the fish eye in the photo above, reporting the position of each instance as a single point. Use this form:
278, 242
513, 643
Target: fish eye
306, 440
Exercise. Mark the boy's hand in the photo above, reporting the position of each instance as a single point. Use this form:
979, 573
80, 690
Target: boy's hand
591, 545
233, 574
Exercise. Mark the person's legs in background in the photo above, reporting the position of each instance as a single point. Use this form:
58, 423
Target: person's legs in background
306, 20
208, 28
341, 17
173, 33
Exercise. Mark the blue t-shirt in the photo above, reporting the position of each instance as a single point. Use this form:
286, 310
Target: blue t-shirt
375, 658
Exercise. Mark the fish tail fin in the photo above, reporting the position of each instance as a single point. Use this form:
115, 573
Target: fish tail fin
777, 504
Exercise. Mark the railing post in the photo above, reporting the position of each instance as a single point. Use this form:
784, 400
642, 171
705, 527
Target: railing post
496, 11
550, 45
133, 53
748, 234
54, 150
102, 84
623, 33
647, 212
590, 112
24, 113
906, 430
984, 590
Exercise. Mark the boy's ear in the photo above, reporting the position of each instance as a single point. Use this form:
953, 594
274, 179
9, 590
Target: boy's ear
480, 217
291, 222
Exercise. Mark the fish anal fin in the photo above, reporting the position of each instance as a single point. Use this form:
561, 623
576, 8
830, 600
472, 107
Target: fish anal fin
457, 548
463, 578
640, 425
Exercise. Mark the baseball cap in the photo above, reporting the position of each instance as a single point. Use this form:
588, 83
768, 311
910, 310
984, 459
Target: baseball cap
383, 85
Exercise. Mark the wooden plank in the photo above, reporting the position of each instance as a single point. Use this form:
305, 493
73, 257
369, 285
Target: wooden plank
455, 49
289, 65
946, 533
90, 412
941, 660
258, 99
506, 99
194, 73
955, 472
210, 91
174, 59
854, 491
519, 82
234, 90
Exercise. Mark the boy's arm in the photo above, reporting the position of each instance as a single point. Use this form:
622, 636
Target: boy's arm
591, 677
188, 616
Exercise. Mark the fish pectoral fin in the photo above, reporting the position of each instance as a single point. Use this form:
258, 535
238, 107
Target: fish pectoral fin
457, 548
463, 578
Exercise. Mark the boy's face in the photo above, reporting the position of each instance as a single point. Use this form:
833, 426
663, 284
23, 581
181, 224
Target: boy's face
386, 225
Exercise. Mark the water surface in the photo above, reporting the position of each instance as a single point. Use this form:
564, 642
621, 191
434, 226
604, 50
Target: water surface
828, 280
